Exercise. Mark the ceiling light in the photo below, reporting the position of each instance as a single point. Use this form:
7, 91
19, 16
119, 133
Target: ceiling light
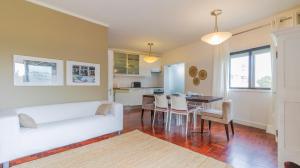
216, 37
149, 58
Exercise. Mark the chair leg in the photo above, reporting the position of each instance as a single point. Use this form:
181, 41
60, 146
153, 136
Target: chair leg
202, 125
170, 121
153, 120
209, 125
163, 116
142, 115
152, 113
232, 128
187, 125
227, 133
166, 124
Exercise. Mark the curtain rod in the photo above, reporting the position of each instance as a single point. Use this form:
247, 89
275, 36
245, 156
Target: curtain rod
254, 28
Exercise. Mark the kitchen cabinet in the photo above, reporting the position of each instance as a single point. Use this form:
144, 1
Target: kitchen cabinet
120, 63
287, 19
131, 96
288, 91
126, 64
134, 65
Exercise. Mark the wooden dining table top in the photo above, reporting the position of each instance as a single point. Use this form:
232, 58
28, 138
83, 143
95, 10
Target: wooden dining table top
203, 99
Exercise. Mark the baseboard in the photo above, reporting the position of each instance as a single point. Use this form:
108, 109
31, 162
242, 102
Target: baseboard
251, 124
271, 129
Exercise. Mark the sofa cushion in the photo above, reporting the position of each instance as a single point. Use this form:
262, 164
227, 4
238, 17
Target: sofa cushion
104, 109
26, 121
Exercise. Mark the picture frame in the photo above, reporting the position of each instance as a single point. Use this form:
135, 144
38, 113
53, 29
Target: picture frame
37, 71
83, 74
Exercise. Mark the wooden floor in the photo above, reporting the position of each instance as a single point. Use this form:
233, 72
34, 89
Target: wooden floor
248, 148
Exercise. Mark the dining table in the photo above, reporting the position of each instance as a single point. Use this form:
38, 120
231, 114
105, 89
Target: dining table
194, 99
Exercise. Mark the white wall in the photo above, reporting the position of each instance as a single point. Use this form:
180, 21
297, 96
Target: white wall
197, 54
252, 108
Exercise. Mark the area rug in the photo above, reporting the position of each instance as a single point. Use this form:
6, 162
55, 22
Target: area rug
131, 150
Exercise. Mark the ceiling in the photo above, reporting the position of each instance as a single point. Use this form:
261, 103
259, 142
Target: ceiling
167, 23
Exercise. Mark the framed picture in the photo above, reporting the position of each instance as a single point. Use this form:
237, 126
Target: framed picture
35, 71
83, 74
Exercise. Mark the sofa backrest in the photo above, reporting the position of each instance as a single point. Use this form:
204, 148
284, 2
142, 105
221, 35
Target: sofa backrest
59, 112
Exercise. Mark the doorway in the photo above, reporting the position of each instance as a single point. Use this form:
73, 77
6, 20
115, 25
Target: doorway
174, 78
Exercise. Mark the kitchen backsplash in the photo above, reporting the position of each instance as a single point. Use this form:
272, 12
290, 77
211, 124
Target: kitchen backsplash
155, 80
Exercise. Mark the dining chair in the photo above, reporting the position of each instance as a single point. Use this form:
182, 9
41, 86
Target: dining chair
198, 105
161, 104
147, 105
220, 116
180, 108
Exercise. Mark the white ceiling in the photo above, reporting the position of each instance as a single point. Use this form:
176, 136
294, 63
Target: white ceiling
167, 23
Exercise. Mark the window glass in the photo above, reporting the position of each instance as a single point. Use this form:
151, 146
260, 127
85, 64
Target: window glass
251, 69
239, 66
263, 69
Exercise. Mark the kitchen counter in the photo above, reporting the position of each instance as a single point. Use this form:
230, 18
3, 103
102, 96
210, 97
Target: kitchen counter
129, 96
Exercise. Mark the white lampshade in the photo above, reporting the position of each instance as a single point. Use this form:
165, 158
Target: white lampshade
216, 38
150, 59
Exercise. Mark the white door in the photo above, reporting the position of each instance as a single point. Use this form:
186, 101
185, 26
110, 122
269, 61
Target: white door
288, 98
110, 93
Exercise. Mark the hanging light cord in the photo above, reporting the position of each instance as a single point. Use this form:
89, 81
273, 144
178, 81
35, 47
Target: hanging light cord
216, 23
150, 50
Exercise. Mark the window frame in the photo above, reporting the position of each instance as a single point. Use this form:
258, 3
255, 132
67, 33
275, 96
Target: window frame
251, 68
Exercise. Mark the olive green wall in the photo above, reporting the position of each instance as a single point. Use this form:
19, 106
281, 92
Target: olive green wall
28, 29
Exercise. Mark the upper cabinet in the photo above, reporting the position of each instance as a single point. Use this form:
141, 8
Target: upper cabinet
120, 63
134, 65
287, 19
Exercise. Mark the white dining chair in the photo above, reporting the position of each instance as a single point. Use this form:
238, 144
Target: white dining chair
180, 108
198, 105
220, 116
161, 104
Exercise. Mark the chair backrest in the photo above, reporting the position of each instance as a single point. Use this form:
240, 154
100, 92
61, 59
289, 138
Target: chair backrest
179, 103
147, 101
161, 101
226, 108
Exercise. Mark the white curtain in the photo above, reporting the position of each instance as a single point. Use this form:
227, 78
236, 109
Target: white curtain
221, 59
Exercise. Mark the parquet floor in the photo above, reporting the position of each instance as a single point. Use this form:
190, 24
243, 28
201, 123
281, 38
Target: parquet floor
248, 148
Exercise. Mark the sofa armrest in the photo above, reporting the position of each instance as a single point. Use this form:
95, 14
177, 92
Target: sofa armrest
9, 130
117, 111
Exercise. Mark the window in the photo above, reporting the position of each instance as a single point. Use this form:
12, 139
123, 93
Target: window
251, 69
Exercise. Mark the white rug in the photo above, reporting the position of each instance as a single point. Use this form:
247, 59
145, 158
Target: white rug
131, 150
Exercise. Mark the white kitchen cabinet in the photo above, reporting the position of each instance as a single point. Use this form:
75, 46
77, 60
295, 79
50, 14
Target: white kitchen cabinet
147, 68
284, 20
287, 19
288, 94
131, 96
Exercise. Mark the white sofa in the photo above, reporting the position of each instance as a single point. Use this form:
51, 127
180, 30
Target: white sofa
58, 125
